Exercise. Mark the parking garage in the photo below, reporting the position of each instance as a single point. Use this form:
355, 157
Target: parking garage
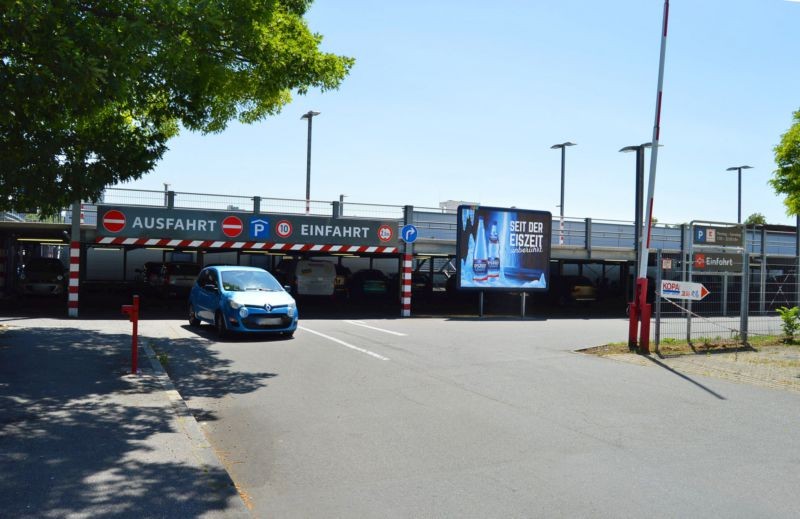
129, 230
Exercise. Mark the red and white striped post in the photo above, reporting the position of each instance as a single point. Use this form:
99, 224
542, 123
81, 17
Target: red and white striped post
74, 277
406, 293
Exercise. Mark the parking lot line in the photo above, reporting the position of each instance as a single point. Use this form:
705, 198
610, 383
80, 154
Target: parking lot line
362, 323
337, 341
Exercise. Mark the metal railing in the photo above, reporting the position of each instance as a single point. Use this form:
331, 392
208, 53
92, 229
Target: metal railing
433, 223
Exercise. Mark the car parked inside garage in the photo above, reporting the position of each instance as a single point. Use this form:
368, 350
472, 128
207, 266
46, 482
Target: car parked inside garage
42, 276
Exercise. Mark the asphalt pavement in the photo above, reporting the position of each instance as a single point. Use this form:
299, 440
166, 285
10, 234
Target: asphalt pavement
80, 436
378, 418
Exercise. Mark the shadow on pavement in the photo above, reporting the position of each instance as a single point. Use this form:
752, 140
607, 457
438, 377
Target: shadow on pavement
200, 372
79, 436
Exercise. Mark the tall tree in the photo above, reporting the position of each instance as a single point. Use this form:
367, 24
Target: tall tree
92, 90
756, 219
786, 179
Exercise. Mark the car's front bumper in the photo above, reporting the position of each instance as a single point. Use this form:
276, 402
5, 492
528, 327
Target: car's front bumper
260, 321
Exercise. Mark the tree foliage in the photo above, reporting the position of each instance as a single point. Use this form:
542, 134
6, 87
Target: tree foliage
756, 219
92, 90
786, 179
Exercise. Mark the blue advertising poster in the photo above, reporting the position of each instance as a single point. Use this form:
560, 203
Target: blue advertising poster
505, 249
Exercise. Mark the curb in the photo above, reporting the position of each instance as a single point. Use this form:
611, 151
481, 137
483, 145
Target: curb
200, 446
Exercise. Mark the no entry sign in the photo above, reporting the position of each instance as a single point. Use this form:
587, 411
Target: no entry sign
114, 221
232, 226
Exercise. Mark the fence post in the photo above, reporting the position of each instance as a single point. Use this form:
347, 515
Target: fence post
689, 302
762, 291
744, 312
724, 294
256, 204
796, 261
659, 276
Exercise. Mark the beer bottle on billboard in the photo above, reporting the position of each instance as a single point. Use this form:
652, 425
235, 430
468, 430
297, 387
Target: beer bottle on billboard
493, 267
480, 260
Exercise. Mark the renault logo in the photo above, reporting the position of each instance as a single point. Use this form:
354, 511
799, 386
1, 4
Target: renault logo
268, 307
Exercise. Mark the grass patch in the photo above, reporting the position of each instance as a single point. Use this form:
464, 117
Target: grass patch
701, 345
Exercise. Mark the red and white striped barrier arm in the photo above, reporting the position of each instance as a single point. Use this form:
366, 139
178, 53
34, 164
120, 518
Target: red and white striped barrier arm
245, 245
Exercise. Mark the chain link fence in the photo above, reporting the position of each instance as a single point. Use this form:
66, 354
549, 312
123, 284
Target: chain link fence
742, 301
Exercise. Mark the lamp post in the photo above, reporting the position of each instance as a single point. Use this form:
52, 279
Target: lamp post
639, 204
308, 115
562, 147
739, 169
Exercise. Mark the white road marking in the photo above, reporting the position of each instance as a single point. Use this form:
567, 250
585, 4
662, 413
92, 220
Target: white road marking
346, 345
362, 323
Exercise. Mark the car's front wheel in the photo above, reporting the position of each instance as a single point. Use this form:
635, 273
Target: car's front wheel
194, 322
219, 324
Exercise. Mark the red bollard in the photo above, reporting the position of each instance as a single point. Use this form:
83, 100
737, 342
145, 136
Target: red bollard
133, 316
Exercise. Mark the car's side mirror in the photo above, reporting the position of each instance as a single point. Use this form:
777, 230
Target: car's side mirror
288, 288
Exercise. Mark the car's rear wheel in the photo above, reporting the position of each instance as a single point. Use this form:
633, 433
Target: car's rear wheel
288, 335
219, 324
194, 322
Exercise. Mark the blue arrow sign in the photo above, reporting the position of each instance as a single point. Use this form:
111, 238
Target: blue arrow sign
408, 233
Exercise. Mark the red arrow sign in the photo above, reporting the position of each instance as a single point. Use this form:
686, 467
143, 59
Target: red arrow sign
703, 292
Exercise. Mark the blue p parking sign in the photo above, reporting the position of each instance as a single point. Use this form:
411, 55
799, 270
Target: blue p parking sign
259, 228
408, 233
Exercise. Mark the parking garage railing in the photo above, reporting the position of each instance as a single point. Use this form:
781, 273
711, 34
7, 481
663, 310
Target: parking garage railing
432, 223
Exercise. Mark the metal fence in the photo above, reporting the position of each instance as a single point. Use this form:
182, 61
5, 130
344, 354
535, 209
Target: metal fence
739, 305
436, 223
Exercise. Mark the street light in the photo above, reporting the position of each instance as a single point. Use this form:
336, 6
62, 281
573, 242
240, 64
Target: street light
639, 204
562, 147
739, 169
308, 115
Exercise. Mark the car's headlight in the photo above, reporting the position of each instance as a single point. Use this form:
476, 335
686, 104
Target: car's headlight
234, 304
291, 309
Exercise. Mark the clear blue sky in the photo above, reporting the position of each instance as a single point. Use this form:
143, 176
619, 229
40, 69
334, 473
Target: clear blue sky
461, 100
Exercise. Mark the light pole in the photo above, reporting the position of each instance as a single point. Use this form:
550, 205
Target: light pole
739, 169
639, 204
562, 147
308, 115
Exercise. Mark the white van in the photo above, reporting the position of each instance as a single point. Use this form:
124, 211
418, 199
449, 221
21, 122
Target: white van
309, 277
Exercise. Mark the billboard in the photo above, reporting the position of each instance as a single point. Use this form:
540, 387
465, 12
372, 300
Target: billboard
503, 249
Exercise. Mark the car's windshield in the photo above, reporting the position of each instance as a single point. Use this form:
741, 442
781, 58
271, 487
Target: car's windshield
242, 280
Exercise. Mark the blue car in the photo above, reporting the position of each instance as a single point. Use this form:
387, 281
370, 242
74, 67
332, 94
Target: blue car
241, 299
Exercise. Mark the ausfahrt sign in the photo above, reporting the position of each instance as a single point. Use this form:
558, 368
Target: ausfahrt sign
187, 224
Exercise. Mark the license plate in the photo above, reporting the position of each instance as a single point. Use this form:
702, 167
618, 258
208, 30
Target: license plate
265, 321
